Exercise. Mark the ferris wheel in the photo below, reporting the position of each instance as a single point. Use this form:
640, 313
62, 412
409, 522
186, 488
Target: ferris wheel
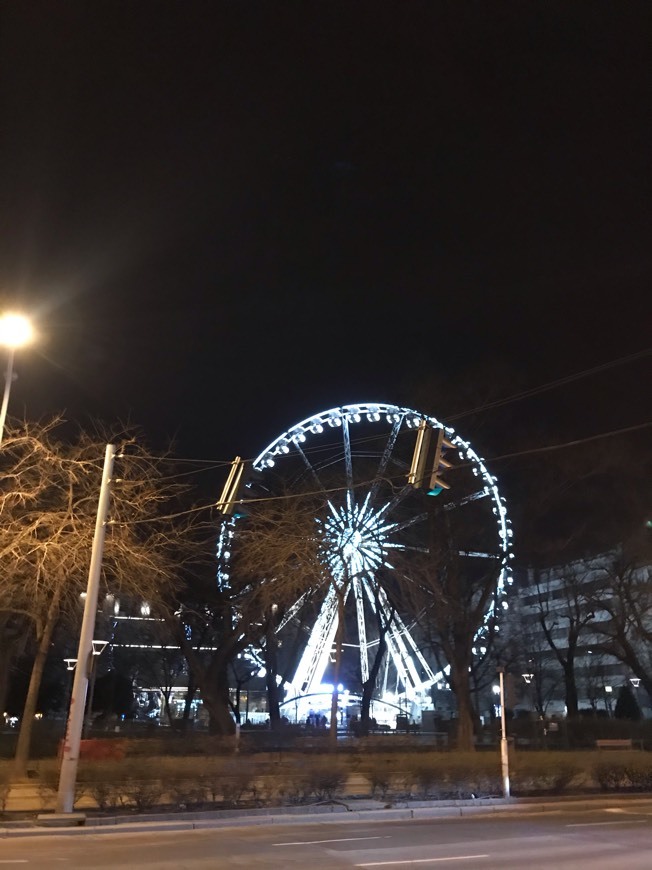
359, 457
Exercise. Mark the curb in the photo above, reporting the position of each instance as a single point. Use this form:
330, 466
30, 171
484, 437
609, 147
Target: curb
316, 815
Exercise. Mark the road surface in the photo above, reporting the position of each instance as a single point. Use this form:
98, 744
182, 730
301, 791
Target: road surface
617, 837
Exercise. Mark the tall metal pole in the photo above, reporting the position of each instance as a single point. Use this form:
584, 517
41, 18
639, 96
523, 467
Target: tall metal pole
504, 749
89, 707
9, 374
72, 741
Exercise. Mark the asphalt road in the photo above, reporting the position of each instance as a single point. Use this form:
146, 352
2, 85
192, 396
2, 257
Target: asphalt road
618, 837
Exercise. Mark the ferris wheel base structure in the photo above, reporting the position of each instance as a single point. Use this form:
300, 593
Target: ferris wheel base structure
359, 456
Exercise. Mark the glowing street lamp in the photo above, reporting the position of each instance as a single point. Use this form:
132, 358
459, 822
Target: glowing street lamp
15, 331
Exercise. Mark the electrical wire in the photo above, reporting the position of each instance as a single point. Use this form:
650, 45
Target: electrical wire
551, 385
397, 478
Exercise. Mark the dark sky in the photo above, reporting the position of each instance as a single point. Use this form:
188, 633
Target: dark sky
227, 215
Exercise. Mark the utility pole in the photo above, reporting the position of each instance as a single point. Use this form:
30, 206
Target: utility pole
72, 740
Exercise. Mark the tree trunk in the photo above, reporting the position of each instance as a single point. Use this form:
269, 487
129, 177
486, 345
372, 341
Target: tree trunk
187, 705
370, 685
213, 684
215, 695
339, 640
570, 688
27, 719
271, 672
461, 686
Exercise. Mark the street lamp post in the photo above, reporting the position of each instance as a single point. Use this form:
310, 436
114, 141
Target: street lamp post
504, 749
15, 331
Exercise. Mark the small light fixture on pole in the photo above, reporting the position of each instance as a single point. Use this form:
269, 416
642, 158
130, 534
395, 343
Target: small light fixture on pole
15, 331
504, 750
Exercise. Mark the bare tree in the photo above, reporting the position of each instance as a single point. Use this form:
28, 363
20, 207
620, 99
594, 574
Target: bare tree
565, 614
623, 605
450, 598
48, 501
274, 559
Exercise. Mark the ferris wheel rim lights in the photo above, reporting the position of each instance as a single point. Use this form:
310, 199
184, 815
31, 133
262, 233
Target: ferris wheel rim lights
372, 412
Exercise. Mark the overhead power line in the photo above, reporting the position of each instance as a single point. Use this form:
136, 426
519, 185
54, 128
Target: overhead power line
551, 385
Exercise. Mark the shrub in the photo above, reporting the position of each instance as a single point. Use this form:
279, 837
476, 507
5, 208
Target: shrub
639, 773
611, 775
291, 786
425, 775
325, 778
381, 775
536, 773
237, 780
187, 792
141, 790
48, 786
5, 786
104, 783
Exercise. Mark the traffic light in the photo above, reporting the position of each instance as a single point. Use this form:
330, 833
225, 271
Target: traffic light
422, 451
440, 462
418, 467
230, 502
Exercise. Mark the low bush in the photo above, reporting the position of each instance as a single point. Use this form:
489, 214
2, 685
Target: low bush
532, 773
5, 785
104, 783
629, 770
325, 778
184, 793
639, 774
237, 778
140, 789
380, 773
48, 785
611, 775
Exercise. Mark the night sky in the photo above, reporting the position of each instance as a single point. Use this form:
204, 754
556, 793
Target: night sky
225, 216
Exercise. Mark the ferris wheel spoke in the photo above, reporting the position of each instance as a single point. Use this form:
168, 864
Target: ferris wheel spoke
362, 629
478, 554
348, 461
384, 460
475, 496
392, 528
315, 656
408, 548
403, 639
292, 611
390, 506
310, 467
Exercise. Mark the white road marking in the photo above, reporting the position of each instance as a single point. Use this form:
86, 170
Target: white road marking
342, 840
599, 824
422, 861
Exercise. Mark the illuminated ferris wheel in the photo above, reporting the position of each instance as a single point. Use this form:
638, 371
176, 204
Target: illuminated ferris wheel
359, 456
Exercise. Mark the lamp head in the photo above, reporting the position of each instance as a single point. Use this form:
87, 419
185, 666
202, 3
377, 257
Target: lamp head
15, 330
